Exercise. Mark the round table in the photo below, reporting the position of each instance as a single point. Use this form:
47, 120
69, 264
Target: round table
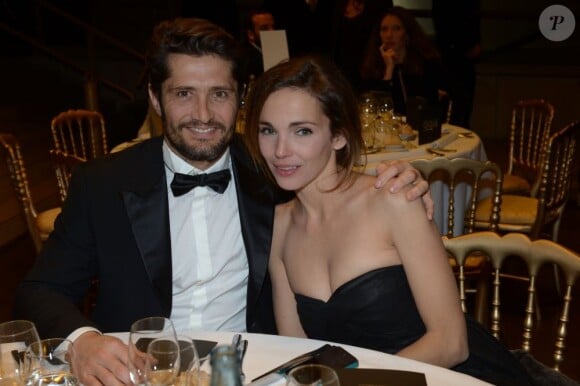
266, 352
456, 141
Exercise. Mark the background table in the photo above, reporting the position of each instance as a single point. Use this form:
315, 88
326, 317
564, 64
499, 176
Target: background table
268, 351
464, 147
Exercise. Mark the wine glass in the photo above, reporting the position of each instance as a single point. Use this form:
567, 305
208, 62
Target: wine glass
142, 333
162, 362
308, 375
47, 362
15, 337
189, 373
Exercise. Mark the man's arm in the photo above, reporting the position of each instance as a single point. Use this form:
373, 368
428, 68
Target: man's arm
395, 175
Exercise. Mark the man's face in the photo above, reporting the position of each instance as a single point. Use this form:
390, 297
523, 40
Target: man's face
261, 22
198, 105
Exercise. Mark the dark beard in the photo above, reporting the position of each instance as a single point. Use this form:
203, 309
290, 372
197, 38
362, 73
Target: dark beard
208, 154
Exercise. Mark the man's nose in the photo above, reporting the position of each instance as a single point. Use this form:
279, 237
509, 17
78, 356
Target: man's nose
202, 110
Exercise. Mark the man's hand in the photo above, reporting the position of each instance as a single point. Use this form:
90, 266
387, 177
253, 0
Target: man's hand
395, 175
100, 360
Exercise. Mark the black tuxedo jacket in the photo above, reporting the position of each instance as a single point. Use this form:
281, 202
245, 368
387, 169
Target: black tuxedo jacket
115, 226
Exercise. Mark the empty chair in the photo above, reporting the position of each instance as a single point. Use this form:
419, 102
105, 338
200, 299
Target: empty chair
532, 215
80, 133
534, 254
473, 179
64, 164
470, 177
39, 224
530, 127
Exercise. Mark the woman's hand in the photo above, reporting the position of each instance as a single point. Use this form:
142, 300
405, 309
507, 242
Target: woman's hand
390, 58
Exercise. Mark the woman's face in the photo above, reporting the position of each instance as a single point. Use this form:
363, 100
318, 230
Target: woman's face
295, 139
392, 33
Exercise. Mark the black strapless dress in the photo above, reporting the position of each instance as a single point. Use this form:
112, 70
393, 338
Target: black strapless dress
377, 311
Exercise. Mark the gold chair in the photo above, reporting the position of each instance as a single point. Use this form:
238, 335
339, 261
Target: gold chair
532, 215
80, 133
64, 164
39, 224
476, 174
529, 132
480, 176
534, 254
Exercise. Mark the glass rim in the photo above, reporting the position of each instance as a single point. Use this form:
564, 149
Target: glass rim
5, 327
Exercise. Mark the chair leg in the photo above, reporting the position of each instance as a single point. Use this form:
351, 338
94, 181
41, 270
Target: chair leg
481, 306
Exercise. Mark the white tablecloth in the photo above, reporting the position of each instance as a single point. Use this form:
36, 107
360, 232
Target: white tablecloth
464, 147
266, 352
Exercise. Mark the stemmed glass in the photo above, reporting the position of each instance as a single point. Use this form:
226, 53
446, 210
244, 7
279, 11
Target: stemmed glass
142, 333
48, 363
15, 337
368, 116
162, 362
308, 375
189, 368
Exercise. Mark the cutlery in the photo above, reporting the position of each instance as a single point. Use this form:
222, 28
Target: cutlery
433, 151
243, 348
240, 345
465, 135
446, 150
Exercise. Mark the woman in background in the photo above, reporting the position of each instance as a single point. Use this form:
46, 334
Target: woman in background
400, 59
349, 263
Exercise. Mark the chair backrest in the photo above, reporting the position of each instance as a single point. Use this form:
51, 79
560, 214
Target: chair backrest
80, 133
11, 149
535, 254
64, 165
530, 127
556, 176
481, 176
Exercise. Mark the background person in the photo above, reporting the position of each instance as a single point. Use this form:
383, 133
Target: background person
256, 20
401, 60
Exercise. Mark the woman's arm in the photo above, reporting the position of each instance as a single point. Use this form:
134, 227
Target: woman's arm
432, 283
285, 312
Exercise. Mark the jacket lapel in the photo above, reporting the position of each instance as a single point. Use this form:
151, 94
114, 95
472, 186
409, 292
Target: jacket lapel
147, 208
256, 206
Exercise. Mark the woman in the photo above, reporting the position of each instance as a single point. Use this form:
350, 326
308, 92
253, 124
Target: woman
401, 59
345, 262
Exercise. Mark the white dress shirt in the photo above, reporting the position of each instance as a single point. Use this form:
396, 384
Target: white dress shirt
209, 262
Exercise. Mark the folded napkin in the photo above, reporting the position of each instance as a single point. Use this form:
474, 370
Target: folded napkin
443, 141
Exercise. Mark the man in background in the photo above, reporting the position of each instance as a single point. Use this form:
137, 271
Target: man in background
256, 20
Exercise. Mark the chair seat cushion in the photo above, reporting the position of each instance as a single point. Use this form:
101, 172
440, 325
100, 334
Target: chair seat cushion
45, 222
518, 211
513, 184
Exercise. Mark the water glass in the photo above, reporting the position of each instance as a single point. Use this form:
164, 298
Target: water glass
48, 363
15, 337
142, 333
313, 375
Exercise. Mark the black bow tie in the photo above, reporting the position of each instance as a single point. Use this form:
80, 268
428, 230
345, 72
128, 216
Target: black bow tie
183, 183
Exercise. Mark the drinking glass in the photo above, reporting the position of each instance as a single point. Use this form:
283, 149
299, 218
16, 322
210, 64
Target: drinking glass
48, 363
142, 333
189, 372
162, 362
15, 337
313, 375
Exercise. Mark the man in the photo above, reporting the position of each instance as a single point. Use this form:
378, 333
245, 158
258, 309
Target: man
257, 20
158, 248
